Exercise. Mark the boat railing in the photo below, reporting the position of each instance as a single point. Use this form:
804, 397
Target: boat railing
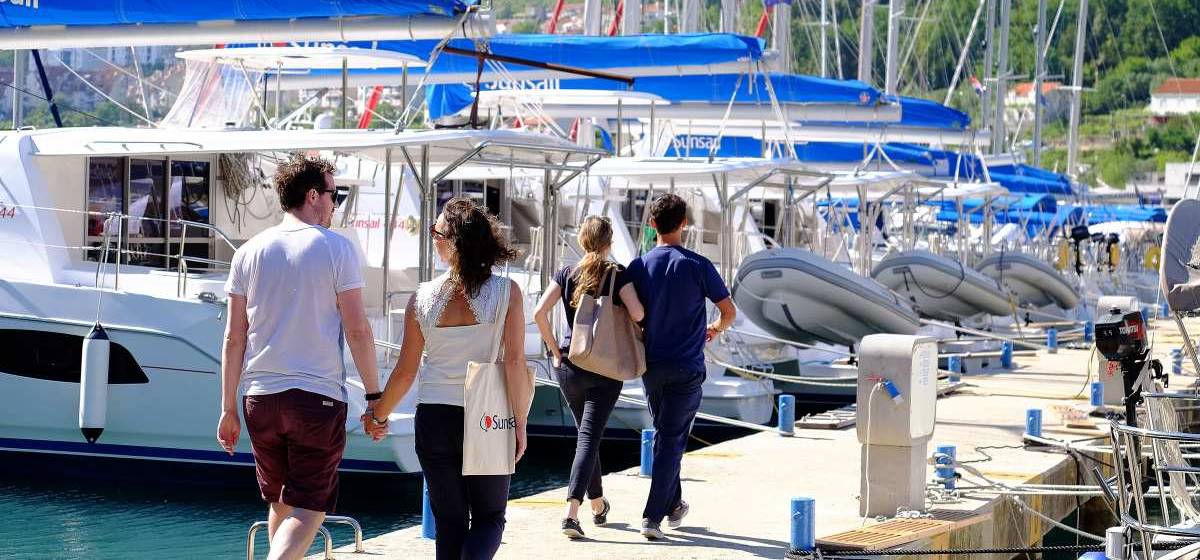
116, 226
1129, 447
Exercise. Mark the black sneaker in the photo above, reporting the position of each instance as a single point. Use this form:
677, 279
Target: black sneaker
651, 530
675, 518
571, 529
601, 519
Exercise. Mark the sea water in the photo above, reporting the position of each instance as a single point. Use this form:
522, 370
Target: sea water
65, 518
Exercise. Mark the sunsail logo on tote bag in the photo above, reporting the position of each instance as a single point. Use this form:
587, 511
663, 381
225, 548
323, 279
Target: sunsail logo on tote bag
495, 422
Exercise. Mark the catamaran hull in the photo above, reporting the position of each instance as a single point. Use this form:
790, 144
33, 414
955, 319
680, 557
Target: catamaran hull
171, 417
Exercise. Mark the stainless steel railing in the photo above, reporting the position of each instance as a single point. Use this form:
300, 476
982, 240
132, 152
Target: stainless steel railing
325, 535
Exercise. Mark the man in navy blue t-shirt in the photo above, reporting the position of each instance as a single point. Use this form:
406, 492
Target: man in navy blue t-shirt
673, 284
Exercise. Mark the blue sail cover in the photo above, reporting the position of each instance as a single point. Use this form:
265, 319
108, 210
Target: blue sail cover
25, 13
583, 51
933, 163
716, 88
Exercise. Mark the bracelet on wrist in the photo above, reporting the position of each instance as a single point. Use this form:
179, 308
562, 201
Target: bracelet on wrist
372, 397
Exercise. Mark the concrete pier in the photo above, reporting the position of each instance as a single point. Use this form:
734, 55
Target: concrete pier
740, 490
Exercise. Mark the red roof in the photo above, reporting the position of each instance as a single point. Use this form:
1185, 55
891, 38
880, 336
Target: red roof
1179, 86
1025, 88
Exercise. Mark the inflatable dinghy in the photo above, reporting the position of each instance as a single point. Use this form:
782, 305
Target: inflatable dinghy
796, 295
1032, 280
940, 288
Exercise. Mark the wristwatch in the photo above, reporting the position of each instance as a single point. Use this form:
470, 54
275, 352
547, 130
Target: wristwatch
371, 397
377, 422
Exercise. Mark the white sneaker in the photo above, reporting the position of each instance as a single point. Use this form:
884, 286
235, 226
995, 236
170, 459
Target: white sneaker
651, 530
675, 518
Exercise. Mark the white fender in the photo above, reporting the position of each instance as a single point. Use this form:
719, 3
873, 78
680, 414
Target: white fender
93, 384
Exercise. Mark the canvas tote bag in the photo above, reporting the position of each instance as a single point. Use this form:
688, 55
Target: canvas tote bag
489, 424
603, 339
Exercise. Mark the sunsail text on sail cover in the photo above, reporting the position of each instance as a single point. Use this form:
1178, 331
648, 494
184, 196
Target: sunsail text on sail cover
24, 3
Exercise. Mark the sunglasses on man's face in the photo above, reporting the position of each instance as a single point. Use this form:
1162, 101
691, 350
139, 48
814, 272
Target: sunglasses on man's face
339, 194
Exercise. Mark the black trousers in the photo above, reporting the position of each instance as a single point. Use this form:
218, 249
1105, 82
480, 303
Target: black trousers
591, 398
673, 396
469, 510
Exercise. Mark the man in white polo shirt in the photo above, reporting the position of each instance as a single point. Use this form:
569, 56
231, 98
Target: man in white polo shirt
294, 289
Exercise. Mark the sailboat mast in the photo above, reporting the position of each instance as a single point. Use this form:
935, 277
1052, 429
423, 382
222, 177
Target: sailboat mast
691, 16
631, 22
998, 133
824, 40
729, 16
891, 78
781, 36
989, 38
1077, 93
1039, 44
866, 41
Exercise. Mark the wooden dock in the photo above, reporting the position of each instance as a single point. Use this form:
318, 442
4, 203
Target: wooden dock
740, 490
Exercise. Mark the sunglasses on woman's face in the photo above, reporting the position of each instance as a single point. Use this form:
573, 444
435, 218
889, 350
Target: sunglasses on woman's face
433, 231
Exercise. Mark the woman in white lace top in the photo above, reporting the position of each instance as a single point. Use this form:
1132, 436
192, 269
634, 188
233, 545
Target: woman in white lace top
450, 321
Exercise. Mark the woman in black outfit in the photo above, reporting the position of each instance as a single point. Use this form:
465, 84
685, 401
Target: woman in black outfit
590, 396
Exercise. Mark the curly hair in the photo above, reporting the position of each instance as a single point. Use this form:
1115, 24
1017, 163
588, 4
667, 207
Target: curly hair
296, 176
479, 244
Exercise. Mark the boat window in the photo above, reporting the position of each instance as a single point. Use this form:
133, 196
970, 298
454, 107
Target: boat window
106, 193
146, 228
157, 195
54, 356
187, 201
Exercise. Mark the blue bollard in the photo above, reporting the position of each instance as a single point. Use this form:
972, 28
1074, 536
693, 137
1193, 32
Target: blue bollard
954, 364
1006, 354
1052, 340
1097, 393
787, 415
946, 473
1177, 361
1145, 314
1164, 310
804, 524
428, 525
1033, 422
1089, 332
647, 452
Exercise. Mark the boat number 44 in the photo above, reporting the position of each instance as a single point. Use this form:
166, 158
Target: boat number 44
7, 211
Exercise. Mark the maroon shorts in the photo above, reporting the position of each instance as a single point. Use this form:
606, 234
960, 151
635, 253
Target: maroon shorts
297, 438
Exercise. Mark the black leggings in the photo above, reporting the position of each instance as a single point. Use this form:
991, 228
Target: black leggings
591, 398
469, 510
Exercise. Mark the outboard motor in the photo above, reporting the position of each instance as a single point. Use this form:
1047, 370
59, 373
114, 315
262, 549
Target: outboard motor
1111, 251
1079, 234
1121, 339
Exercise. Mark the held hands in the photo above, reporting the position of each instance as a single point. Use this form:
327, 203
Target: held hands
374, 429
228, 430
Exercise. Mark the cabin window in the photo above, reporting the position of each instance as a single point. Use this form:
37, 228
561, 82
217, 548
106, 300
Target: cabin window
165, 201
106, 193
54, 356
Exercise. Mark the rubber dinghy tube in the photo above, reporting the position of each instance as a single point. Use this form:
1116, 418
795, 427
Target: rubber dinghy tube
93, 384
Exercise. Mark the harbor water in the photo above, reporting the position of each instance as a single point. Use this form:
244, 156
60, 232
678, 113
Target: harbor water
63, 518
